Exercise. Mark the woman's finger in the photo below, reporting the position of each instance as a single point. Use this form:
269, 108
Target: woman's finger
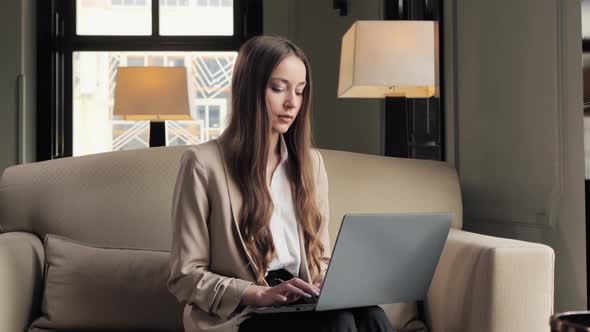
292, 297
310, 289
292, 289
282, 298
279, 298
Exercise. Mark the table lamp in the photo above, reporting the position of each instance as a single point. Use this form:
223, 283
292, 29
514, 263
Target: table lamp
152, 93
389, 59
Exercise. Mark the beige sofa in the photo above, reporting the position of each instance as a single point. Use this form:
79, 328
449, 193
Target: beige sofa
123, 199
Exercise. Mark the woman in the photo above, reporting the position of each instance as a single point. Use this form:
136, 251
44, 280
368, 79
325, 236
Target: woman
250, 209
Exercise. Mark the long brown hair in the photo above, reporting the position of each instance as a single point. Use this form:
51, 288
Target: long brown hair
247, 137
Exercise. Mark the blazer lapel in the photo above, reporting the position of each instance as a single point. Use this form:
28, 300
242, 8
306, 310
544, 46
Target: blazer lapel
235, 199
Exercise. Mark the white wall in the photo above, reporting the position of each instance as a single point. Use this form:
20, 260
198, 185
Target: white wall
341, 124
516, 126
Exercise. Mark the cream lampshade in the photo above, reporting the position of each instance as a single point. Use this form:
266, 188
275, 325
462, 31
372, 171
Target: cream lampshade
152, 93
388, 59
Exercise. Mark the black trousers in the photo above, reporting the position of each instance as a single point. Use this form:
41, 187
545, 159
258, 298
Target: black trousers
364, 319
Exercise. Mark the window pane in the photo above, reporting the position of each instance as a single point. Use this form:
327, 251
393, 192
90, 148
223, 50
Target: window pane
96, 129
135, 61
157, 61
214, 116
175, 61
201, 113
197, 18
128, 17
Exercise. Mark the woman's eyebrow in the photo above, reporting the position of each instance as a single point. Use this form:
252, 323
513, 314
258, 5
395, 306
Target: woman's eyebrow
285, 80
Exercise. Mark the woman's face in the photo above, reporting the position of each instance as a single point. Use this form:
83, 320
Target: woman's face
284, 93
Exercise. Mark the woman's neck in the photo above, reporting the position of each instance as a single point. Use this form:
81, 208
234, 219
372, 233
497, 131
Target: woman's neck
274, 147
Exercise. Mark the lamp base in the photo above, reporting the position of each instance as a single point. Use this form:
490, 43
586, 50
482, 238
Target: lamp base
397, 131
157, 133
412, 128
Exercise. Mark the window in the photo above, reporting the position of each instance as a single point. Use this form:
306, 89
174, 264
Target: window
125, 2
156, 61
175, 61
94, 99
135, 61
79, 66
214, 116
124, 17
202, 112
184, 18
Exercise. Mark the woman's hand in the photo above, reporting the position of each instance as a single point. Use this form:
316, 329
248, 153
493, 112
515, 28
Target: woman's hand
283, 293
319, 284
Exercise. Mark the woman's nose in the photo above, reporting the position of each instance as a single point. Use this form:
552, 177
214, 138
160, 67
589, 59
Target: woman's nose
289, 104
290, 101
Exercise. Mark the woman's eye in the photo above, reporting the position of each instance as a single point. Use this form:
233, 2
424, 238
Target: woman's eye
276, 89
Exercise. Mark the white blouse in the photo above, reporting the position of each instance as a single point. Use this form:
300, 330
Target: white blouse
283, 222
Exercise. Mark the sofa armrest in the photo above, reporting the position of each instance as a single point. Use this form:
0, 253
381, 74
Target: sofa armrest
21, 276
490, 284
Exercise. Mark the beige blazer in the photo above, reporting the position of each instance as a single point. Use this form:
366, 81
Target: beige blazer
209, 266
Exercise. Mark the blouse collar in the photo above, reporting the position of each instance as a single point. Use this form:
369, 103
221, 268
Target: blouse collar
283, 149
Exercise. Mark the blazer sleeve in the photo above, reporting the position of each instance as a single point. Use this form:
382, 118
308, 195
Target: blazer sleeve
190, 279
324, 209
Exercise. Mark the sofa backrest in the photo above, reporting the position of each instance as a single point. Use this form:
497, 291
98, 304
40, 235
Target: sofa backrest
123, 198
360, 183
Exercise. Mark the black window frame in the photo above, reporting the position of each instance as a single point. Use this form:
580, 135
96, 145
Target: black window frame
57, 41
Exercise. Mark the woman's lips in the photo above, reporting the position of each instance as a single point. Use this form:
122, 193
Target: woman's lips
285, 118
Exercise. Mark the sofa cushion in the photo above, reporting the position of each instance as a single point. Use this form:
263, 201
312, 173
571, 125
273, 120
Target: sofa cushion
88, 287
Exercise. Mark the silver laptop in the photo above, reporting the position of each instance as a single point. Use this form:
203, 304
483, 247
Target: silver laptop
379, 259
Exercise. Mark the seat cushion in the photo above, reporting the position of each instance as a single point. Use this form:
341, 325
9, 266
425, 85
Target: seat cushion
89, 288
